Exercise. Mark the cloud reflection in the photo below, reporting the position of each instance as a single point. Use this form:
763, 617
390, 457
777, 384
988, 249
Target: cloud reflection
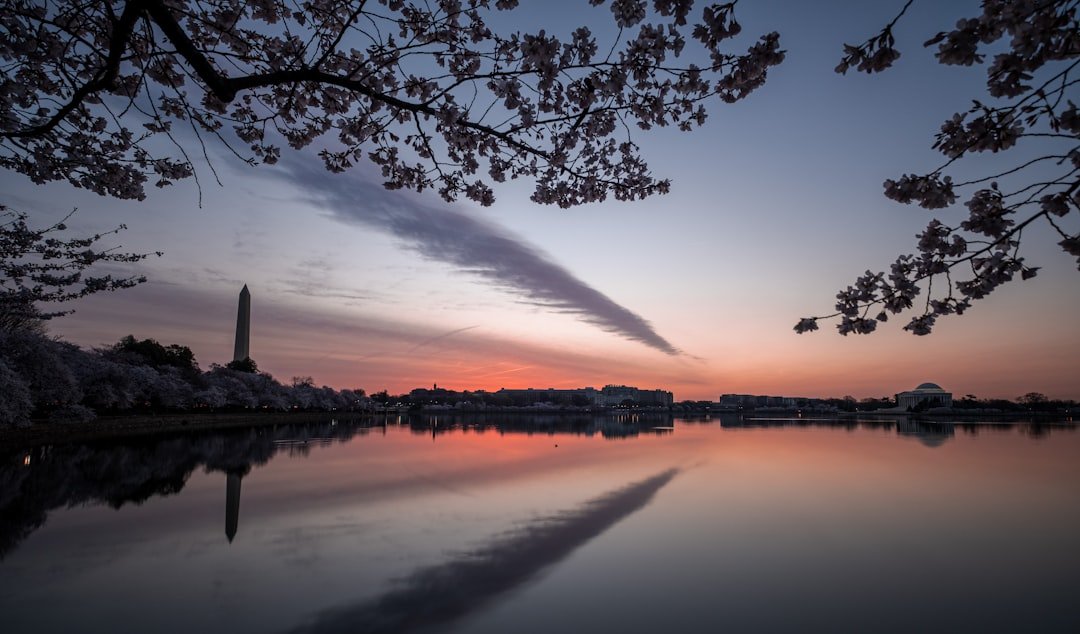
446, 592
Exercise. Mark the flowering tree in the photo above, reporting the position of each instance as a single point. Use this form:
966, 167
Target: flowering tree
109, 96
39, 266
96, 92
1030, 114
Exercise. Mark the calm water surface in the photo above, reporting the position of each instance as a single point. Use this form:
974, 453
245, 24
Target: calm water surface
534, 524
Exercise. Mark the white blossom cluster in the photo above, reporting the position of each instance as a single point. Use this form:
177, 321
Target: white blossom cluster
41, 376
930, 191
994, 130
95, 92
1033, 80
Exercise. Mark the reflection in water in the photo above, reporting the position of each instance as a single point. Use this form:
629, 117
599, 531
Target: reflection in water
446, 592
232, 504
607, 426
929, 435
782, 525
37, 481
132, 471
932, 434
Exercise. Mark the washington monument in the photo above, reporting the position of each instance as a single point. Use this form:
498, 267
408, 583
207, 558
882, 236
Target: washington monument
242, 348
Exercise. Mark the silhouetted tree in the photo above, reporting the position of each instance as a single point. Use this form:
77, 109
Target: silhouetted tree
426, 91
44, 369
17, 403
846, 404
247, 364
1028, 112
94, 94
43, 266
303, 381
150, 352
870, 404
1034, 400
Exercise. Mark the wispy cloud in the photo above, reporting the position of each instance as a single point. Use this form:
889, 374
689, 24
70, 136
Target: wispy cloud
437, 338
502, 372
312, 278
467, 243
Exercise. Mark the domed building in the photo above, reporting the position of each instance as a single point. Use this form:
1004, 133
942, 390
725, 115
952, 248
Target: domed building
929, 393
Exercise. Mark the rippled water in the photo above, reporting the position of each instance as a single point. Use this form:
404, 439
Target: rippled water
547, 524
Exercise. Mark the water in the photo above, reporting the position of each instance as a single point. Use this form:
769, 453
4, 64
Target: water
547, 524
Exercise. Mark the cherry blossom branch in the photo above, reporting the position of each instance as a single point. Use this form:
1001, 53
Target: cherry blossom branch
117, 43
40, 267
528, 104
1041, 34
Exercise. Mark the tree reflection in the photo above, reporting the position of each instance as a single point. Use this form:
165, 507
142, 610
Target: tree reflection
116, 473
606, 426
36, 482
130, 471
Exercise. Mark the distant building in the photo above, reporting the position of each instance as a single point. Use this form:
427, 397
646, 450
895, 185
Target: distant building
533, 396
615, 395
927, 395
655, 398
435, 393
734, 401
609, 396
754, 401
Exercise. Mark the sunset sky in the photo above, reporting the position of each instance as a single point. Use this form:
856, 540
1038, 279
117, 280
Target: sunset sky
776, 204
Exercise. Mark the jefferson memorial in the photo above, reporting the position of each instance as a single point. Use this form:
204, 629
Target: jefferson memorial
929, 393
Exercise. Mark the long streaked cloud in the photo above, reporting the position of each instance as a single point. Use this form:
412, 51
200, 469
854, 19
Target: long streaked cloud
465, 242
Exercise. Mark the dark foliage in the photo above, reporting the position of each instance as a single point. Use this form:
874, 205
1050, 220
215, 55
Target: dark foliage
247, 365
42, 266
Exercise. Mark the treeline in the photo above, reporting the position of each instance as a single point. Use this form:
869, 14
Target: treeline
439, 398
46, 379
1030, 402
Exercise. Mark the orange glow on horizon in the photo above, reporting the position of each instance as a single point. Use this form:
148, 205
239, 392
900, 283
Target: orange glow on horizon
764, 357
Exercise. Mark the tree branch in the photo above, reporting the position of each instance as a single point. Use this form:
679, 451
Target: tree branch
106, 76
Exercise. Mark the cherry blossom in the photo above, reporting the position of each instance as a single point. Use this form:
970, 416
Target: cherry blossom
1029, 85
38, 266
95, 93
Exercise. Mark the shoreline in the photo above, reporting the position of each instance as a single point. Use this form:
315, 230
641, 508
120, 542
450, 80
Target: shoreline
40, 433
115, 427
134, 426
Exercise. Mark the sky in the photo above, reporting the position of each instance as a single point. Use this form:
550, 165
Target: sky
776, 204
